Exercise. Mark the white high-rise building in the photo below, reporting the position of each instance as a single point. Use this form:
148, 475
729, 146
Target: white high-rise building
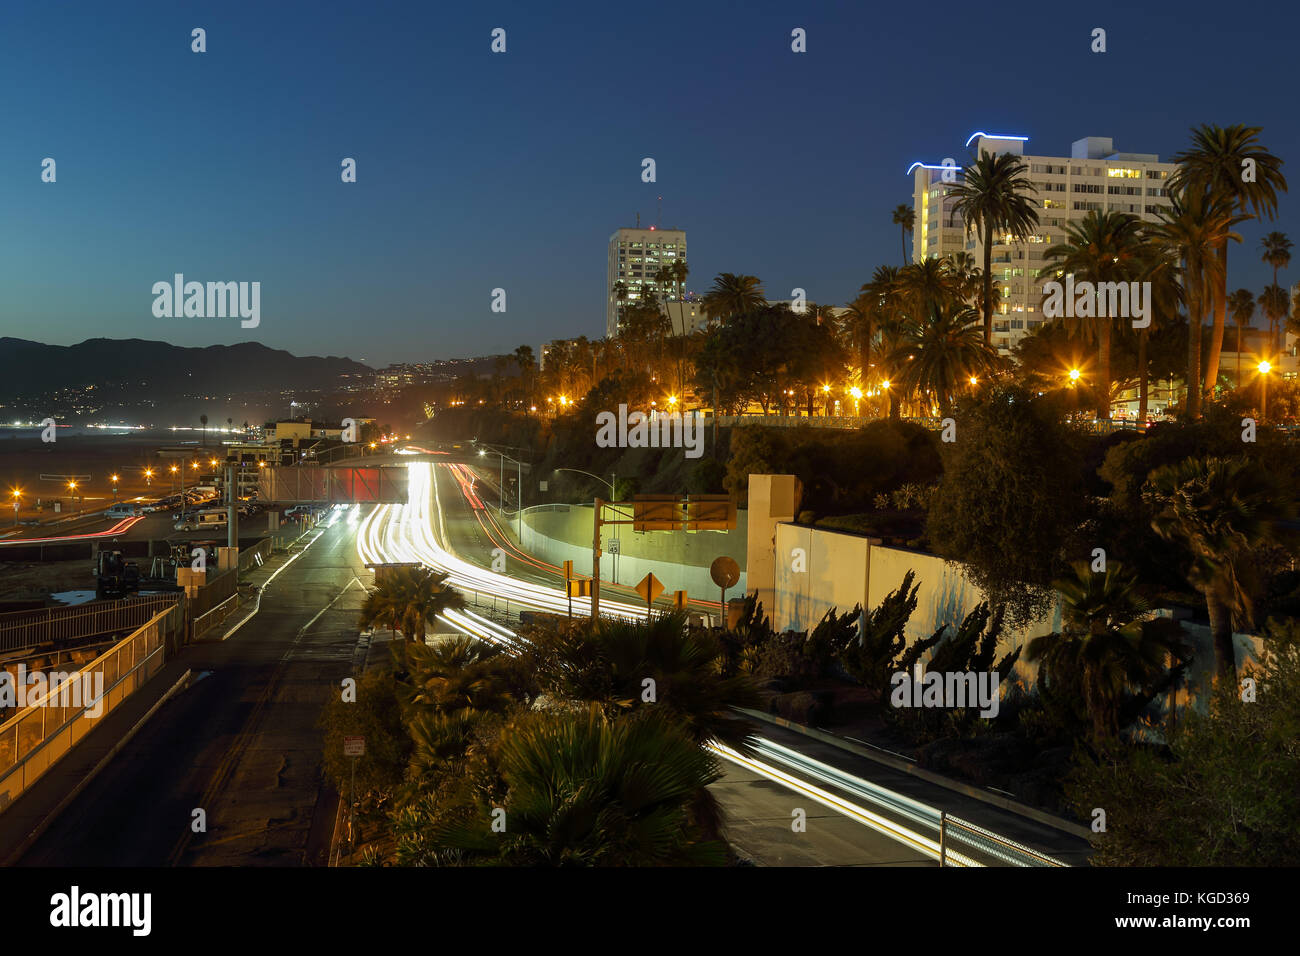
635, 255
1093, 176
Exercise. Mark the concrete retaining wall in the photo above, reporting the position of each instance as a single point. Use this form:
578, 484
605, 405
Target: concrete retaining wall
680, 559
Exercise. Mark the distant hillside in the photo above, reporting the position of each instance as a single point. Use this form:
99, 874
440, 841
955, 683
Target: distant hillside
28, 368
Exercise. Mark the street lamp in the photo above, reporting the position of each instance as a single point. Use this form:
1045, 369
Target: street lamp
857, 397
17, 493
1264, 368
608, 484
148, 477
114, 479
72, 487
1074, 376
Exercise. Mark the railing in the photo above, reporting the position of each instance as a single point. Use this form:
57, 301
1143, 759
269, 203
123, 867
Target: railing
20, 629
978, 842
218, 615
217, 590
34, 739
257, 555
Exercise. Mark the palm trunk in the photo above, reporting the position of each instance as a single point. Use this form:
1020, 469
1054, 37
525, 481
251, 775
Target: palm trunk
1273, 344
893, 405
1193, 355
1225, 654
1238, 355
903, 243
1103, 370
1142, 378
1220, 318
988, 286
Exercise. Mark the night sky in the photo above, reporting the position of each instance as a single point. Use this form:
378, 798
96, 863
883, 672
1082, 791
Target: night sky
478, 170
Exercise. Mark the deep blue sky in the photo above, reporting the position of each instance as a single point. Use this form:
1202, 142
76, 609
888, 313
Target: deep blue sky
479, 170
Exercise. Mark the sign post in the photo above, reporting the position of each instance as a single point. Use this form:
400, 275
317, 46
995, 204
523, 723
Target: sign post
725, 573
353, 747
649, 588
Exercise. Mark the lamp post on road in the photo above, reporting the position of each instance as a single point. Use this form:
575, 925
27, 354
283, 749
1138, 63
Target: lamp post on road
608, 484
1264, 368
501, 485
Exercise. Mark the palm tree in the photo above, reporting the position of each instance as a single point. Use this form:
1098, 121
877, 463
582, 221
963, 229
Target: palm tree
927, 284
1275, 304
582, 790
885, 291
1219, 511
939, 355
905, 219
1217, 163
733, 295
407, 599
991, 199
1103, 247
456, 674
1277, 253
609, 664
967, 278
1106, 645
1242, 306
1160, 268
1194, 227
858, 325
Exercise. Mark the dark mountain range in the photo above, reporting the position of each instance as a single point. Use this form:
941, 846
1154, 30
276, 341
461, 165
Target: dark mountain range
31, 368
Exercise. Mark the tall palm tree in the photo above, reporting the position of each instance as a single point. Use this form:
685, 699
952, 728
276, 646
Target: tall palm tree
858, 325
733, 295
408, 599
926, 284
991, 198
1105, 645
967, 278
1196, 224
1218, 162
905, 219
1242, 306
939, 355
1159, 267
1275, 304
886, 291
582, 790
1277, 253
1102, 247
1219, 511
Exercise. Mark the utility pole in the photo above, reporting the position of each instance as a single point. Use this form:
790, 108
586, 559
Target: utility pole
595, 561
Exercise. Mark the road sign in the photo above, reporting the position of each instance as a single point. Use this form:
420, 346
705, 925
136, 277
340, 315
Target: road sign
580, 587
541, 486
354, 746
725, 572
568, 570
650, 588
680, 601
613, 545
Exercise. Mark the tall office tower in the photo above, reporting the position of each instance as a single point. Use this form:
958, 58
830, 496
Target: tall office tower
1093, 176
635, 255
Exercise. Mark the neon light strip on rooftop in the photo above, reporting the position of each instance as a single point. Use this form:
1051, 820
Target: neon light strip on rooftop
1023, 139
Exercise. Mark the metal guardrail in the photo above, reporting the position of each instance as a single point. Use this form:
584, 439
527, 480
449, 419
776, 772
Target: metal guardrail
34, 739
19, 629
256, 556
218, 615
979, 842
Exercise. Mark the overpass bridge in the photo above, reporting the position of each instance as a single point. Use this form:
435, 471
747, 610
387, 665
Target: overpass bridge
357, 474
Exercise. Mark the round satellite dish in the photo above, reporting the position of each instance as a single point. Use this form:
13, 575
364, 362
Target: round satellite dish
725, 572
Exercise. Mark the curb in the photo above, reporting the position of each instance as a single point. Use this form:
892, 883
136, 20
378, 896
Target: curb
929, 776
62, 805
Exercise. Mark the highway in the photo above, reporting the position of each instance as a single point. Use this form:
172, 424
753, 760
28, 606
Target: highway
851, 821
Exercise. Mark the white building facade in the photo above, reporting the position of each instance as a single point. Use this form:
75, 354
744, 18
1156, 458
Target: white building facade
634, 256
1093, 177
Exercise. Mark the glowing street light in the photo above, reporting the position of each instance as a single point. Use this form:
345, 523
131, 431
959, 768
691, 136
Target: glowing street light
114, 479
18, 495
148, 477
1264, 368
857, 397
1074, 375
